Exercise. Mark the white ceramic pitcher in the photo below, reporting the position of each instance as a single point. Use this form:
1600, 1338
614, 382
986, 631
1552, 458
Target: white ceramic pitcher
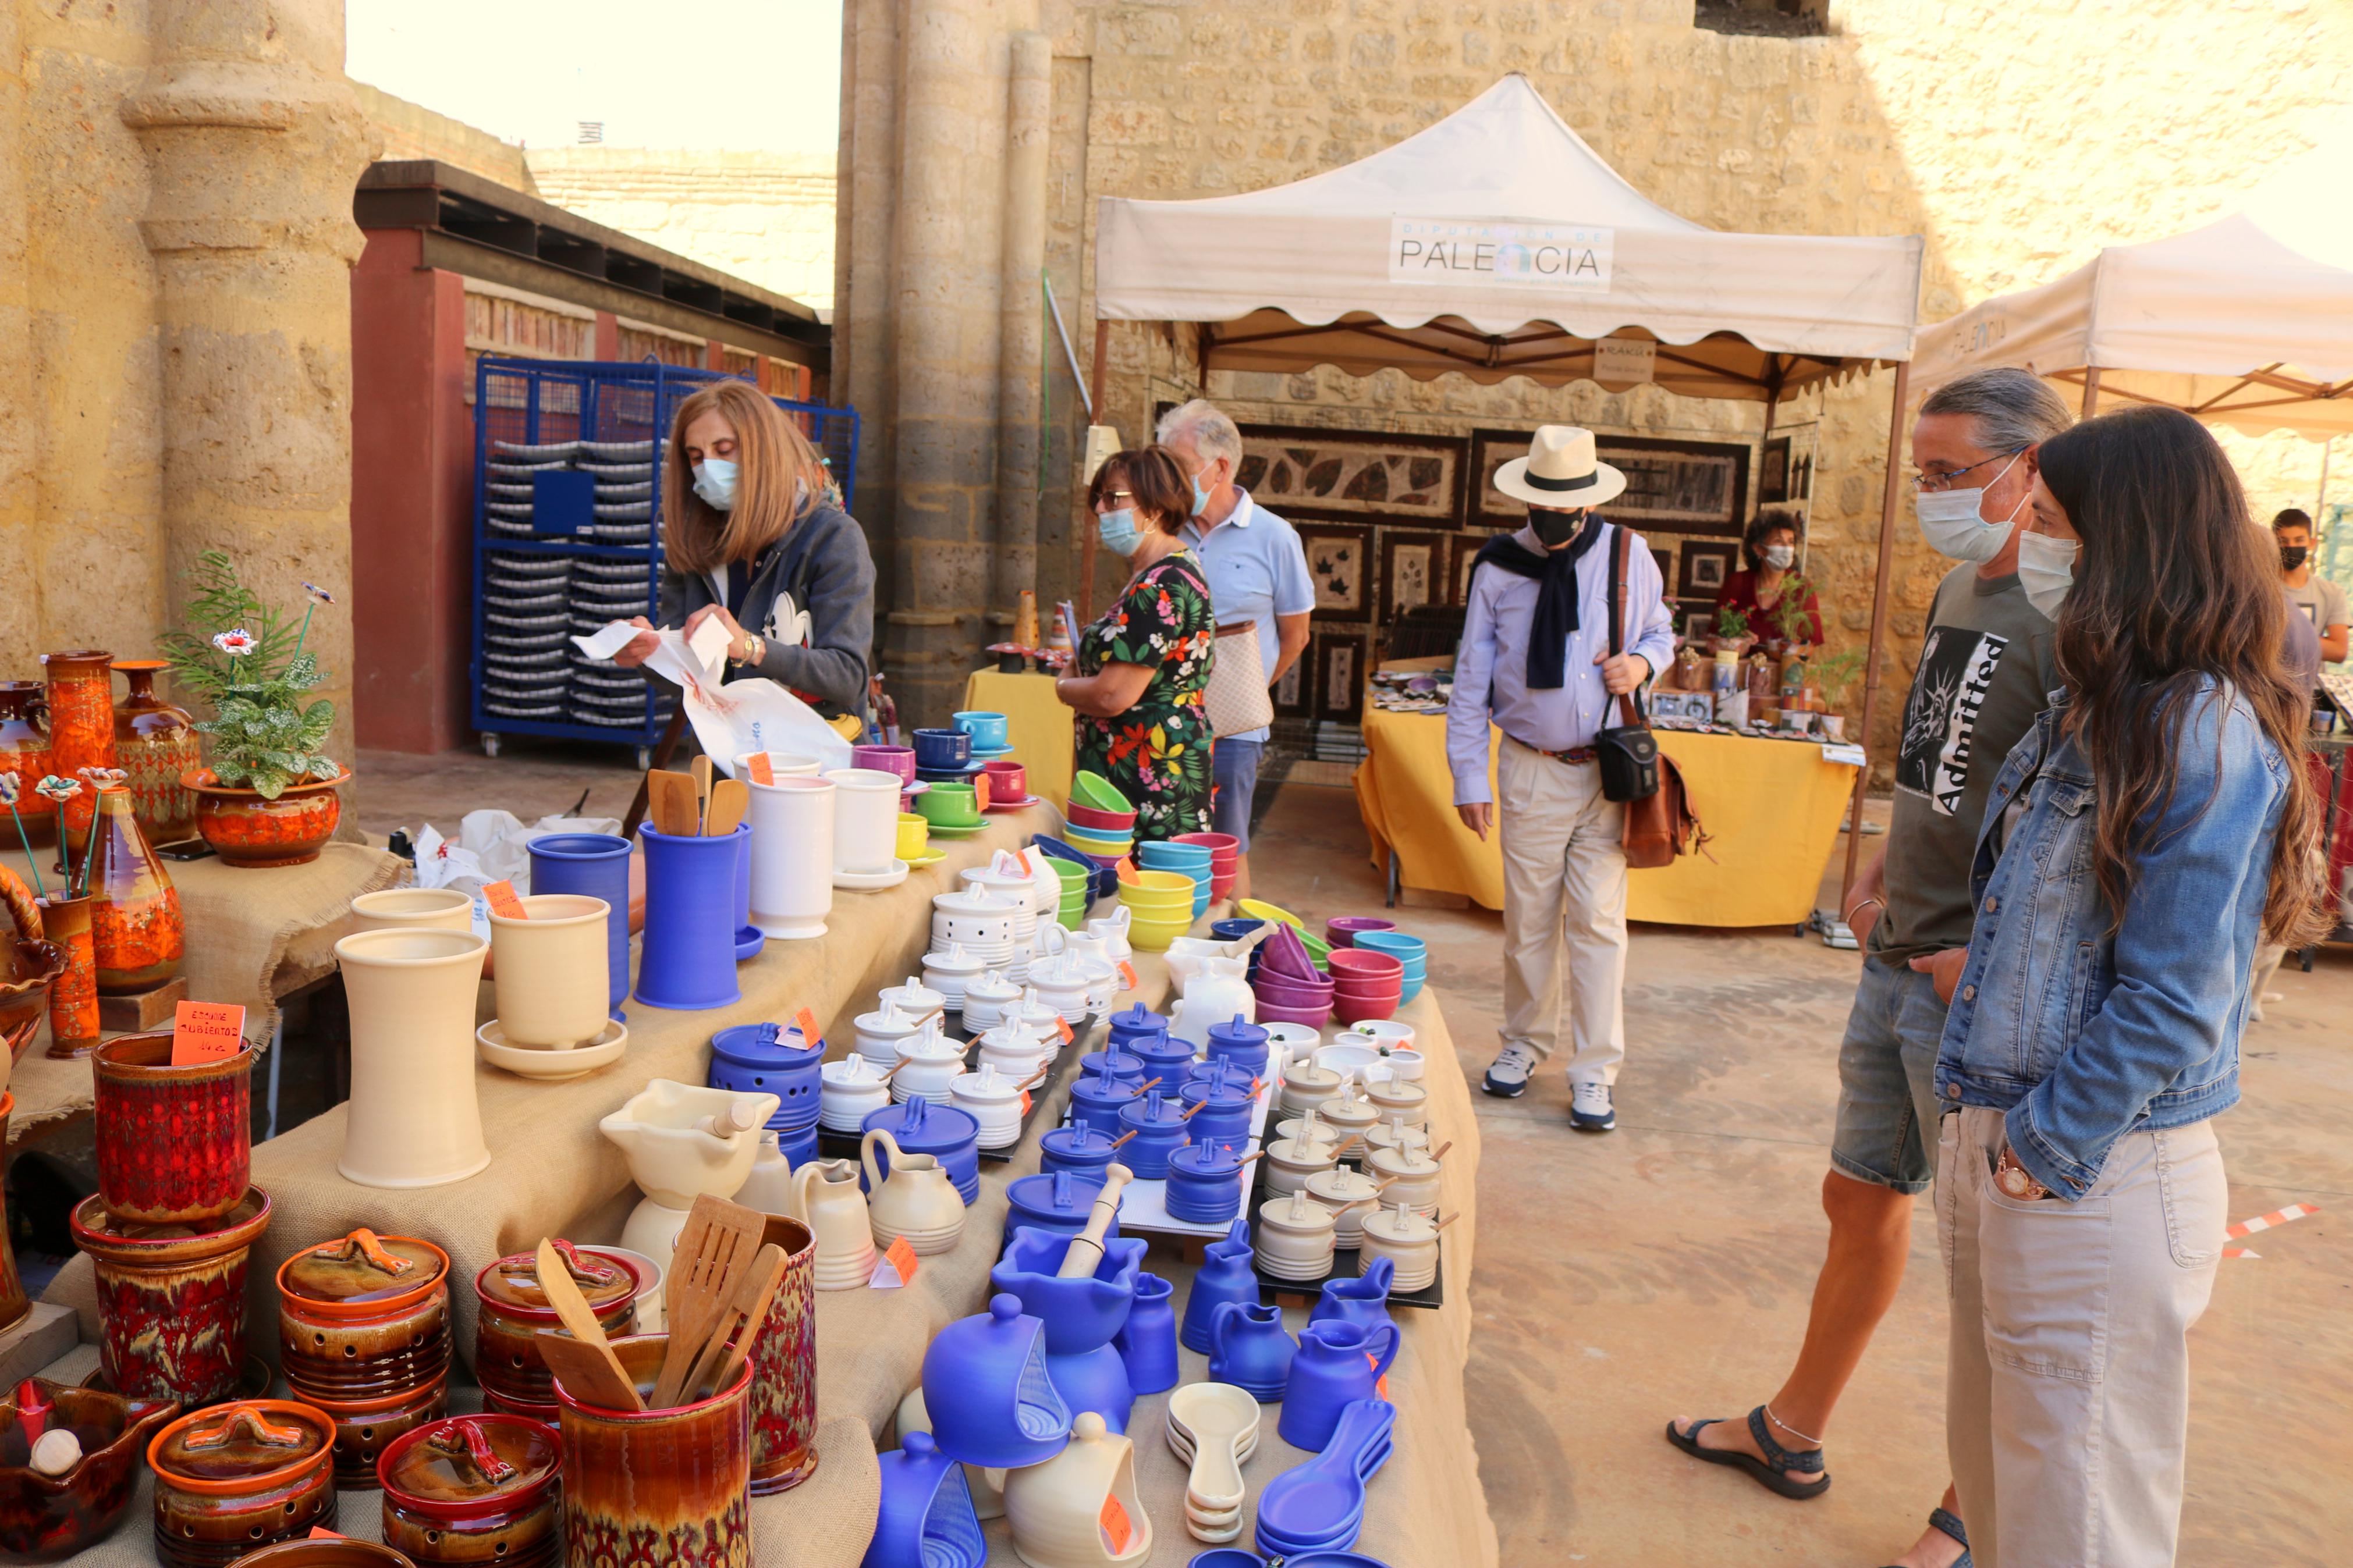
1219, 990
825, 1198
917, 1201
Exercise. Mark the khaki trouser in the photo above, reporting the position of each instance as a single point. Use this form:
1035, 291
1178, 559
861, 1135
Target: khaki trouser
1564, 876
2067, 1403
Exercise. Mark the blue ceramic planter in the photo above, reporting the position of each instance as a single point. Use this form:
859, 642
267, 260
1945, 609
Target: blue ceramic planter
688, 960
1159, 1122
926, 1519
1095, 1102
1363, 1301
1249, 1348
919, 1127
1225, 1275
1081, 1316
1077, 1148
1058, 1202
1134, 1022
596, 864
768, 1058
1148, 1341
1205, 1184
985, 1388
1337, 1364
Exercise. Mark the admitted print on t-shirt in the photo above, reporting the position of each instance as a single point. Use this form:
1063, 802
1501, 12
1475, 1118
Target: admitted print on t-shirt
1940, 719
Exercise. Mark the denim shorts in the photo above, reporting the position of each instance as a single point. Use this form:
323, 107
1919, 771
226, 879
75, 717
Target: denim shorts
1887, 1109
1236, 765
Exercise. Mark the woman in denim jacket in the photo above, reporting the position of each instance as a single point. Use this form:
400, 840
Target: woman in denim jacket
2138, 843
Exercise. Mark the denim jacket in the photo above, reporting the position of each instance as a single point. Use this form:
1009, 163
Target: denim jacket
2081, 1033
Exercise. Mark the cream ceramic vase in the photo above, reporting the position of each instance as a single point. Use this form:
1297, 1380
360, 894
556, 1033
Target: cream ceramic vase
825, 1198
917, 1201
413, 1120
865, 821
412, 909
1058, 1509
792, 854
548, 970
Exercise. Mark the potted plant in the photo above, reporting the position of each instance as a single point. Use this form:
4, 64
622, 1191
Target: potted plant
1732, 633
1834, 676
269, 796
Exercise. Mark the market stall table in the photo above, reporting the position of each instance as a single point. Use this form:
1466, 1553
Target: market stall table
1771, 808
1037, 725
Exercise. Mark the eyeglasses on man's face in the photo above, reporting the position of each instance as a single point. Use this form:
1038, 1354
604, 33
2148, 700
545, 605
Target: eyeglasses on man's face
1944, 481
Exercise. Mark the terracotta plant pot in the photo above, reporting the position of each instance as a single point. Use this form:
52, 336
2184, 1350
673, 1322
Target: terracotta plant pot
549, 970
45, 1517
174, 1143
245, 1475
137, 936
365, 1317
81, 727
73, 996
513, 1308
410, 909
413, 1120
671, 1486
156, 743
784, 1367
171, 1303
474, 1491
245, 829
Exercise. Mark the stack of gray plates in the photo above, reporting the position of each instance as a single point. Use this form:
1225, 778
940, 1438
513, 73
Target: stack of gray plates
523, 631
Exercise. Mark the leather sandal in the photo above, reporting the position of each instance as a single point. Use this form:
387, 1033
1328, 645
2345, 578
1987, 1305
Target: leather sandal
1950, 1523
1768, 1474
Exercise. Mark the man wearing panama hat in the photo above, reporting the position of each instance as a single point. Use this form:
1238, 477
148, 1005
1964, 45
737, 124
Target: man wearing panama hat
1535, 661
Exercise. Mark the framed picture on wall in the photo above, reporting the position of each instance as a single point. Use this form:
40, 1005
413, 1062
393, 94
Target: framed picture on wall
1673, 486
1351, 475
1340, 564
1773, 472
1696, 622
1293, 693
1413, 572
1339, 660
1706, 566
1664, 556
1466, 561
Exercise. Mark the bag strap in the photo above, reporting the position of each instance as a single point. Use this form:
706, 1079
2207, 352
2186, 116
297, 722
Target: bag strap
1619, 549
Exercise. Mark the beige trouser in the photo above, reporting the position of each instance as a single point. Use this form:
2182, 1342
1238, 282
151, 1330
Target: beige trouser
1564, 877
2067, 1402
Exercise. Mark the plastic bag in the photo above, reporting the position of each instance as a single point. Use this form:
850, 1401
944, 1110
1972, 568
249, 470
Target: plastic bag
492, 846
734, 719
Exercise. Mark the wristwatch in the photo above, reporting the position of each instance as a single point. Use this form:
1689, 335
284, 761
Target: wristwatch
2015, 1180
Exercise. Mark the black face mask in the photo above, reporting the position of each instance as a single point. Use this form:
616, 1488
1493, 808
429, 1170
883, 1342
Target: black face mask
1554, 529
2292, 556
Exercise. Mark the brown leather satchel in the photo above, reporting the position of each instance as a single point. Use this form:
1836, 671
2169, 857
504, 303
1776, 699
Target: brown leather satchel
1660, 824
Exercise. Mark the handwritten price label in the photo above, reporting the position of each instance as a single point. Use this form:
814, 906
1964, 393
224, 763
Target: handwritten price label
503, 902
1118, 1530
763, 771
806, 1021
207, 1032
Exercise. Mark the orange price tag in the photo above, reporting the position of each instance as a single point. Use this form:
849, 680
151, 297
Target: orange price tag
807, 1022
205, 1032
980, 792
1381, 1387
1025, 1102
1062, 1027
901, 1256
503, 902
1117, 1531
321, 1532
1128, 981
1126, 869
763, 771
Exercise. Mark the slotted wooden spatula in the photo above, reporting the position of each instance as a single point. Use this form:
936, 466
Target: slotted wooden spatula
713, 1251
740, 1318
670, 802
590, 1372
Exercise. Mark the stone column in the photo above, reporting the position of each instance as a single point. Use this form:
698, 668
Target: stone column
1028, 113
20, 608
255, 141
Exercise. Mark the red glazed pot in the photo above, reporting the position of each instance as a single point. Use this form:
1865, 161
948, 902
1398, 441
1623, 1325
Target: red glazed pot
475, 1491
245, 829
669, 1486
81, 726
511, 1309
231, 1480
155, 743
24, 752
42, 1517
174, 1143
171, 1301
784, 1367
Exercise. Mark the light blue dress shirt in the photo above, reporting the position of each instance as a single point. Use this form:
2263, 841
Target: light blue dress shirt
1491, 671
1257, 571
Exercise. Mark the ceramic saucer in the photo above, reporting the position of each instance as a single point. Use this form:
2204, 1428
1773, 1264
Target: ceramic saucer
928, 858
954, 830
551, 1066
1026, 802
870, 881
749, 941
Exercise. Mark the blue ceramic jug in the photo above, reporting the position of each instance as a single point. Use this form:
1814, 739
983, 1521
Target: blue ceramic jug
1135, 1021
1225, 1275
985, 1388
596, 864
925, 1519
1249, 1348
1337, 1364
768, 1058
1096, 1101
1081, 1316
948, 1135
1363, 1302
1148, 1341
1077, 1148
1159, 1122
688, 957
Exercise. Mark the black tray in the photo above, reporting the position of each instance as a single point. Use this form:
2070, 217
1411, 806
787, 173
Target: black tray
832, 1146
1344, 1264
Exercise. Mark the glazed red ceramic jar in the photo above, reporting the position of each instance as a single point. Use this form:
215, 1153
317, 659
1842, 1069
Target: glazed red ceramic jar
784, 1367
672, 1487
171, 1300
174, 1143
476, 1491
513, 1308
240, 1477
82, 724
365, 1317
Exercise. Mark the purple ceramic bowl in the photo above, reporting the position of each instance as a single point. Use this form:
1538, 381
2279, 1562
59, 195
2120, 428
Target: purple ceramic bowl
1279, 963
899, 760
1313, 1017
1274, 993
1341, 930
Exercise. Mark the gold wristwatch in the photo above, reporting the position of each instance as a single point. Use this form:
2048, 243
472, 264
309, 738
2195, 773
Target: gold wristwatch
2015, 1180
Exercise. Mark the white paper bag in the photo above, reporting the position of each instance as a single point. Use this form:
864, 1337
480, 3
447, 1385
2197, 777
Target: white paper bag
730, 719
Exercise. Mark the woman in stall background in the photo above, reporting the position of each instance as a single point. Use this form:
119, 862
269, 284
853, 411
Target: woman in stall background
752, 539
1144, 666
1771, 548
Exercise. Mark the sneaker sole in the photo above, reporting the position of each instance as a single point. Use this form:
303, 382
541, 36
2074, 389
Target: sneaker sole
1589, 1124
1502, 1091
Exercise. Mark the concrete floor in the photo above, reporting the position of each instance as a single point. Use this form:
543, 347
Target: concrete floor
1666, 1267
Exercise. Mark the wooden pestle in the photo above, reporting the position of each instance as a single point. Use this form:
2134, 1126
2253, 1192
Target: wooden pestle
1086, 1248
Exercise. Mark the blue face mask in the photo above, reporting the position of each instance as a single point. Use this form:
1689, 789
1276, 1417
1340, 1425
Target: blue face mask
1117, 530
714, 481
1200, 496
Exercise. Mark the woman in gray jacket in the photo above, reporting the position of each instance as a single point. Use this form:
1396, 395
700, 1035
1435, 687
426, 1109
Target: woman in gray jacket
751, 538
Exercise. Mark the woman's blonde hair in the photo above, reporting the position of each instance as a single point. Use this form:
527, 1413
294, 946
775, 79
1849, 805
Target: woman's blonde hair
771, 454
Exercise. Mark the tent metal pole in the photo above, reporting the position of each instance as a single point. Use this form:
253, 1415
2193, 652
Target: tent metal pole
2091, 391
1087, 535
1878, 623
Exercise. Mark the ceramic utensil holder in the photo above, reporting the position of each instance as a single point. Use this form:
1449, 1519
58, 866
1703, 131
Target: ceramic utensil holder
865, 820
413, 1120
793, 829
549, 970
593, 866
399, 908
174, 1144
784, 1366
171, 1306
658, 1486
687, 960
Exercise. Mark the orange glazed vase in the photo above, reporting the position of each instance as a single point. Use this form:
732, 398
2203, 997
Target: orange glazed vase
135, 912
155, 742
81, 727
73, 996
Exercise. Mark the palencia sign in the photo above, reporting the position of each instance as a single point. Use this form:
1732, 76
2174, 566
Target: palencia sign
1501, 255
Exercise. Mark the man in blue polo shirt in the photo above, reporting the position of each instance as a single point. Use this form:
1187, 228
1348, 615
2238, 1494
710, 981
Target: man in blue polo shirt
1258, 574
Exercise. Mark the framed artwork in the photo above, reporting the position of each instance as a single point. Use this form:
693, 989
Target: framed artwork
1340, 564
1706, 567
1773, 472
1465, 561
1355, 475
1413, 572
1675, 486
1339, 658
1663, 555
1695, 622
1292, 692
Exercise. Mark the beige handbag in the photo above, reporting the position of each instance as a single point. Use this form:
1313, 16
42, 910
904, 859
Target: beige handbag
1238, 700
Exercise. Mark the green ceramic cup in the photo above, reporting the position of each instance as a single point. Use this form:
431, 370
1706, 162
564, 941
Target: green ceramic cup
949, 806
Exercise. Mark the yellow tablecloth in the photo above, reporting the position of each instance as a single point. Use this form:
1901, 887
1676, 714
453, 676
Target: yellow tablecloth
1772, 808
1038, 726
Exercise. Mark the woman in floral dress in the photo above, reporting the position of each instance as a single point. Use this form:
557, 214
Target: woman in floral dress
1144, 668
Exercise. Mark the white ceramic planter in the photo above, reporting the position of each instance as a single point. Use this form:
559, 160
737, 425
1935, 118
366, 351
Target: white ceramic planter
781, 764
548, 970
792, 854
865, 821
413, 909
413, 1120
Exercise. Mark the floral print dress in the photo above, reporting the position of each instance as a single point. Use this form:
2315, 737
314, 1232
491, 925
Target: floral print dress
1157, 752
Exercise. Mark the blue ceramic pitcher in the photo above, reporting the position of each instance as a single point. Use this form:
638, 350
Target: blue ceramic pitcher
1148, 1341
1249, 1348
596, 864
1337, 1364
1225, 1275
1363, 1302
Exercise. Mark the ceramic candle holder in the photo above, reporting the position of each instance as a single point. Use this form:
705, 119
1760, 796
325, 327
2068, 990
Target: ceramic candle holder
549, 970
413, 1120
661, 1486
402, 909
174, 1143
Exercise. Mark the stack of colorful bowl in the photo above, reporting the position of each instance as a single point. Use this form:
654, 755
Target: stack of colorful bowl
989, 732
1102, 823
1225, 850
1078, 892
1366, 985
1159, 908
1288, 987
1341, 930
1410, 950
944, 756
1185, 859
1233, 930
1106, 880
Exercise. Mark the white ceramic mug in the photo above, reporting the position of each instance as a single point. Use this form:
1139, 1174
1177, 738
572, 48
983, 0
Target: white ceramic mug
410, 908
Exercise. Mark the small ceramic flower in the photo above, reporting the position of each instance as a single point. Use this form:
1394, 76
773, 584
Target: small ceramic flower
318, 592
103, 778
11, 789
235, 643
53, 788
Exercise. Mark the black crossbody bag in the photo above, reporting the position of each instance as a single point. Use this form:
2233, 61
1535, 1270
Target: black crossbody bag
1627, 753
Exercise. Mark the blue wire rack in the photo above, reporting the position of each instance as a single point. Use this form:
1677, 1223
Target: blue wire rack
568, 536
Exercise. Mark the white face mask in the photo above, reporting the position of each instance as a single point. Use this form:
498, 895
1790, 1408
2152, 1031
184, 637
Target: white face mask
1952, 524
1779, 557
714, 481
2046, 570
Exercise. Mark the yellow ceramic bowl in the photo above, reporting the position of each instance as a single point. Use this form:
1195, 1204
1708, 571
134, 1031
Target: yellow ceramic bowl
1167, 882
1160, 906
1155, 936
914, 835
1258, 910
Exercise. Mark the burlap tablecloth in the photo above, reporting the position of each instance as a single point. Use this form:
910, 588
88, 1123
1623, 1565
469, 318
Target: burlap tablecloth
553, 1173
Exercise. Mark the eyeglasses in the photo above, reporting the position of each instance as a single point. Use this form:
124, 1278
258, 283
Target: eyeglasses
1921, 481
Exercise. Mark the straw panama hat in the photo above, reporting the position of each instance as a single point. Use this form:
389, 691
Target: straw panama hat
1560, 471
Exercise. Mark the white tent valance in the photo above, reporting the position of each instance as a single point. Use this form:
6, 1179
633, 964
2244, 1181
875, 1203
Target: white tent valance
1493, 244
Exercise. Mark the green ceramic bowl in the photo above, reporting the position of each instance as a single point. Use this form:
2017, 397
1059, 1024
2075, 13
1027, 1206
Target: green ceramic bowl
949, 806
1094, 790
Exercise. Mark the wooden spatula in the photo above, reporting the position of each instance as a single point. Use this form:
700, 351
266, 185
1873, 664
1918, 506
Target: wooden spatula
669, 801
571, 1307
740, 1318
729, 799
589, 1372
713, 1250
702, 775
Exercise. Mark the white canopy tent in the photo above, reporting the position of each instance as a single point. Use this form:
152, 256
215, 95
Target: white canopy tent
1495, 243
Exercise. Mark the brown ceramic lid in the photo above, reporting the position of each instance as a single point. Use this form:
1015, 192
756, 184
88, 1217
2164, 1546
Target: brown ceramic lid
231, 1448
363, 1269
514, 1282
323, 1552
457, 1465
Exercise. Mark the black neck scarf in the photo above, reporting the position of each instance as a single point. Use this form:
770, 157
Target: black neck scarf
1554, 571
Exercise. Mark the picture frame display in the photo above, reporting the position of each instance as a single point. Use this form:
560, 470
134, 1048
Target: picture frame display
1705, 567
1293, 693
1355, 475
1413, 572
1773, 472
1340, 564
1339, 660
1690, 486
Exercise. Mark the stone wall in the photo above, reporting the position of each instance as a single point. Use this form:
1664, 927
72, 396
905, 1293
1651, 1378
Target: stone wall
412, 131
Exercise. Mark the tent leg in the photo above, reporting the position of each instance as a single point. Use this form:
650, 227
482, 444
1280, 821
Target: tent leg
1087, 534
2091, 391
1878, 623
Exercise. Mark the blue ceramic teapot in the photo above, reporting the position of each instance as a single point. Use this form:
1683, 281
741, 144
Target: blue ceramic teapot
1363, 1302
1249, 1348
1337, 1364
1225, 1275
986, 1389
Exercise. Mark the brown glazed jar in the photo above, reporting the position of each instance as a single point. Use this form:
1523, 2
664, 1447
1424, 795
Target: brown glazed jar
240, 1477
671, 1486
365, 1317
476, 1491
155, 742
325, 1554
513, 1309
365, 1427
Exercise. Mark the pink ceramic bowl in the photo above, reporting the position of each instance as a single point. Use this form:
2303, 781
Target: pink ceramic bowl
1106, 824
1348, 1010
1220, 844
1366, 961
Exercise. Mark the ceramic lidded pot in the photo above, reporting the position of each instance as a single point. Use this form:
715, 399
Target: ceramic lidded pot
364, 1317
880, 1031
1305, 1083
1134, 1022
928, 1064
914, 999
1015, 1052
43, 1516
155, 742
328, 1552
1345, 1115
987, 999
239, 1477
1408, 1176
171, 1301
1291, 1161
1393, 1133
549, 970
1295, 1237
1055, 1200
1079, 1147
1407, 1240
784, 1366
1205, 1184
1350, 1196
1159, 1122
1243, 1042
992, 1098
475, 1489
512, 1307
174, 1143
137, 934
950, 969
848, 1088
659, 1485
949, 1135
365, 1426
1404, 1100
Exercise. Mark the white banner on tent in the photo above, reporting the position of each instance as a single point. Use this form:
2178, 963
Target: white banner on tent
1502, 254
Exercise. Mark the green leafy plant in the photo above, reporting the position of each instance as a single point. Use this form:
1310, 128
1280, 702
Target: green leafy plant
1731, 623
1789, 612
244, 660
1835, 673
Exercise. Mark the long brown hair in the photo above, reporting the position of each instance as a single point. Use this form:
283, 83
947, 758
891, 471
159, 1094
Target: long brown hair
770, 455
2173, 586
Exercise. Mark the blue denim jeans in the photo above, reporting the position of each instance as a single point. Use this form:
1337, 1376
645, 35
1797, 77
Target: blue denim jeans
1887, 1109
1235, 764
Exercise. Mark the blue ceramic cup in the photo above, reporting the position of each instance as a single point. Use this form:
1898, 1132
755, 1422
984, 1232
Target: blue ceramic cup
688, 960
988, 730
942, 749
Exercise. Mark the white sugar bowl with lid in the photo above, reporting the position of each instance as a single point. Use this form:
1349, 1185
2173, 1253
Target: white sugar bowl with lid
992, 1098
1016, 1051
1305, 1083
927, 1065
1060, 984
1294, 1238
1408, 1102
1391, 1132
1308, 1127
851, 1088
1408, 1176
1350, 1194
1407, 1240
1032, 1014
912, 997
1291, 1161
987, 999
949, 971
880, 1031
1347, 1115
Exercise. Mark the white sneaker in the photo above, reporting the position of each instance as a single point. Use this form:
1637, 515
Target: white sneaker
1507, 1075
1590, 1108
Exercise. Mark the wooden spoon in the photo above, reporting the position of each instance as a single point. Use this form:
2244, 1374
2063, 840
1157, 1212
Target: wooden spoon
591, 1372
701, 772
713, 1250
740, 1321
670, 802
729, 799
1086, 1248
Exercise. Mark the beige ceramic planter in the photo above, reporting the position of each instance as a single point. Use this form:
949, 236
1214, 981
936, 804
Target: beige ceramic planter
413, 1120
548, 969
411, 908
